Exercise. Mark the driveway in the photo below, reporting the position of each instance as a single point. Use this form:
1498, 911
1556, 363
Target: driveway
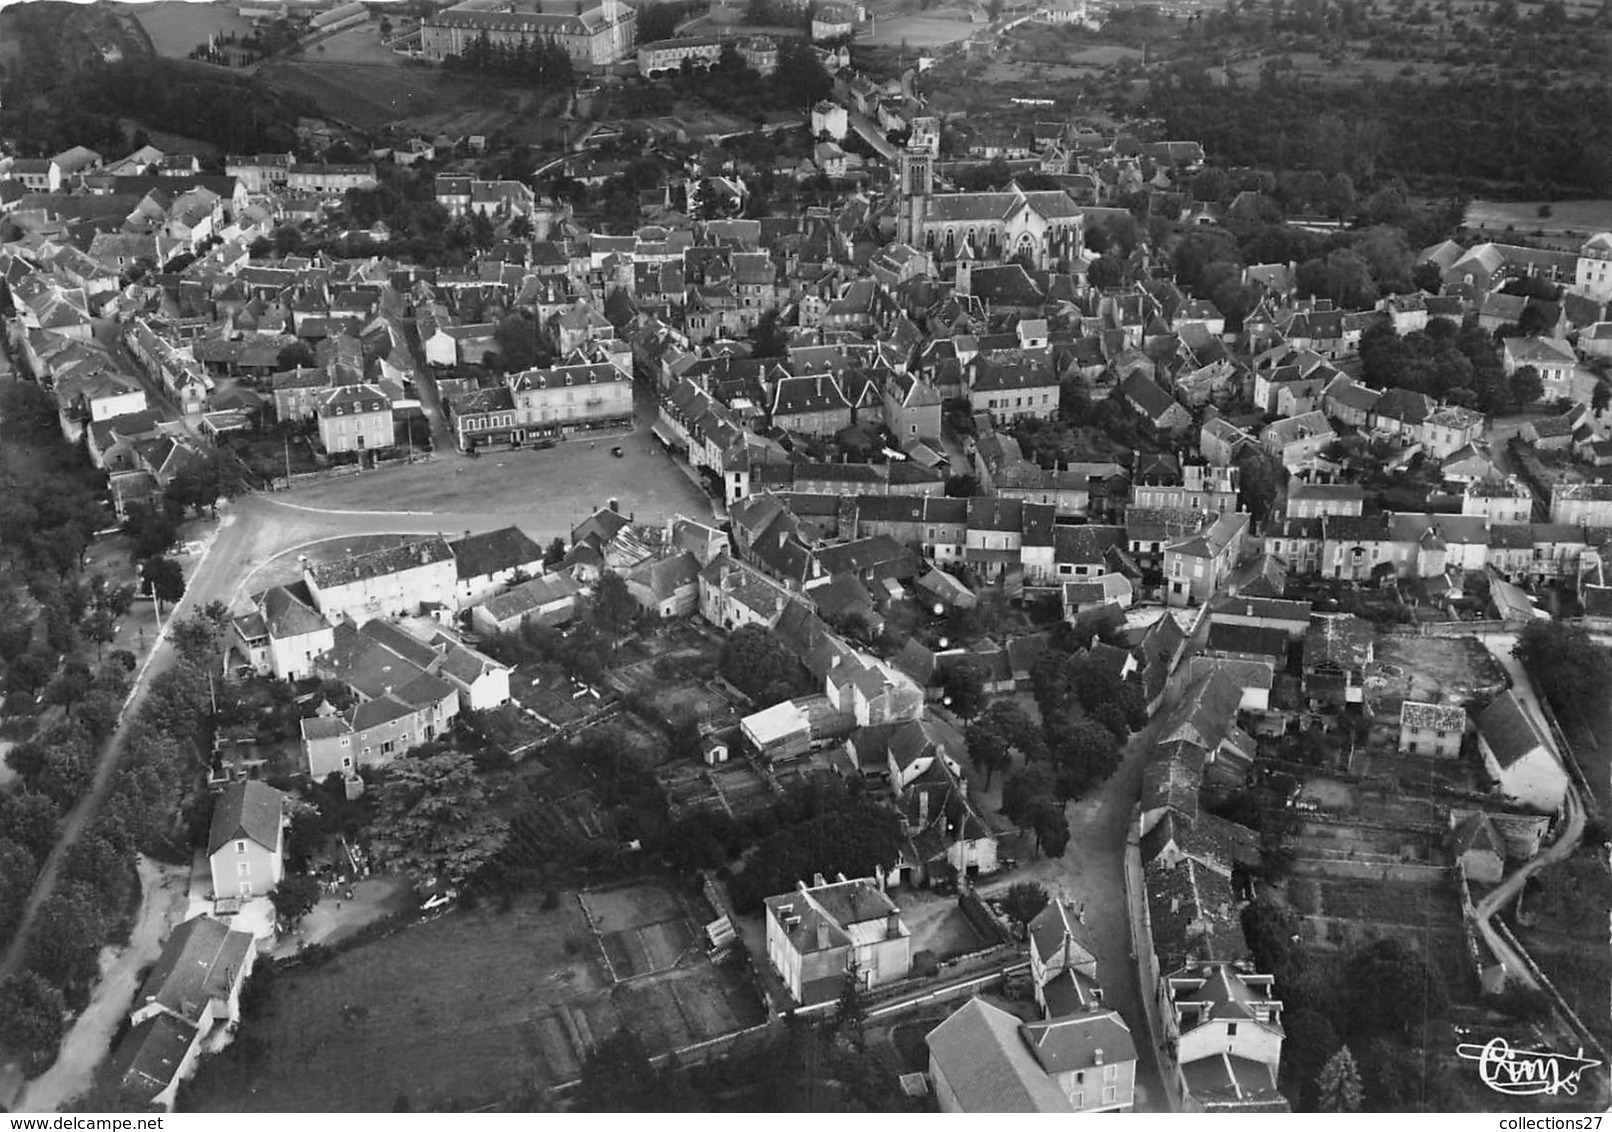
162, 903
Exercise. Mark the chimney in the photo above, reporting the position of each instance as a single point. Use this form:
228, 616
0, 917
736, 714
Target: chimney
892, 926
822, 936
923, 807
1097, 1057
818, 881
615, 505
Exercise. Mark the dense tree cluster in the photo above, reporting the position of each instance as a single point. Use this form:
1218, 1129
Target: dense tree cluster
1497, 128
756, 663
1568, 668
1448, 363
540, 62
1384, 1002
854, 839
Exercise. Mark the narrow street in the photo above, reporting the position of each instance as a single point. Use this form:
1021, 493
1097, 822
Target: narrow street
1092, 874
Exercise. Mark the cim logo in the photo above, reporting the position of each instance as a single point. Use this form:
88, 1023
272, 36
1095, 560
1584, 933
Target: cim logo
1526, 1072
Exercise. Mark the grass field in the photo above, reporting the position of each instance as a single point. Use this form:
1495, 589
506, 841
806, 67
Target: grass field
931, 29
468, 1008
1567, 217
176, 27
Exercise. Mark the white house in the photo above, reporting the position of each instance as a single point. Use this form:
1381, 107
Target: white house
390, 581
246, 841
1227, 1029
283, 635
1517, 754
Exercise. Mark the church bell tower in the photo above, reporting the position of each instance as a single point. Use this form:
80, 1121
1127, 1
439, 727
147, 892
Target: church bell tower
917, 173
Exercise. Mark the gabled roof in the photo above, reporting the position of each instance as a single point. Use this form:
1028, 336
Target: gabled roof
251, 810
982, 1054
1060, 938
1509, 730
201, 961
477, 556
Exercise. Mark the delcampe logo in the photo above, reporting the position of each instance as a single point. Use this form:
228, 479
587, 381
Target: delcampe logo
1526, 1072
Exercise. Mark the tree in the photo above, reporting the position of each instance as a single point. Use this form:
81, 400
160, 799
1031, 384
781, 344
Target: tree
770, 339
294, 355
964, 690
293, 898
432, 819
33, 1011
164, 577
614, 608
1393, 990
987, 747
1024, 790
1310, 1041
617, 1076
1023, 902
852, 1009
516, 335
1338, 1087
17, 871
151, 529
69, 686
100, 627
756, 663
1259, 481
554, 552
1569, 668
199, 638
1084, 754
1051, 827
1526, 386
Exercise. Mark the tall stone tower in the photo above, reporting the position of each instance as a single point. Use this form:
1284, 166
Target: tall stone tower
917, 173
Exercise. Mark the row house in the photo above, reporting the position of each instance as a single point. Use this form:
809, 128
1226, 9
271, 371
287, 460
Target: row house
1199, 487
695, 423
569, 397
185, 379
1584, 504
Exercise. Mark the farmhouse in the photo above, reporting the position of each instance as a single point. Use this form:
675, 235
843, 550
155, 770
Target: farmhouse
1515, 753
1434, 730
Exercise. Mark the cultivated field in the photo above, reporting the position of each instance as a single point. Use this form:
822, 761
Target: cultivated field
469, 1008
176, 27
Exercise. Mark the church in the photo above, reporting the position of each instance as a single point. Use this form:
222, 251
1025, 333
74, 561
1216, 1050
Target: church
1042, 228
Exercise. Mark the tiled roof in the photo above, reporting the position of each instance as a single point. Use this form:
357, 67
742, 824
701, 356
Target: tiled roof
378, 563
250, 810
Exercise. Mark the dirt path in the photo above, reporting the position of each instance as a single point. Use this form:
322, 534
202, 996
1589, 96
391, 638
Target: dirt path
162, 900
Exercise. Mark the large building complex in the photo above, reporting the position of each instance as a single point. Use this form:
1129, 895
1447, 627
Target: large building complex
595, 33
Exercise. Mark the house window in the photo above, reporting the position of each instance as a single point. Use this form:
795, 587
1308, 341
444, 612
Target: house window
240, 846
1110, 1094
1231, 1029
244, 869
1110, 1072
